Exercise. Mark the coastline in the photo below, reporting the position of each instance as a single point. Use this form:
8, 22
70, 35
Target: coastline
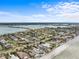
8, 30
59, 49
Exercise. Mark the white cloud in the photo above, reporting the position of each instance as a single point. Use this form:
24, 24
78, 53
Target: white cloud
8, 17
62, 12
68, 12
46, 6
63, 7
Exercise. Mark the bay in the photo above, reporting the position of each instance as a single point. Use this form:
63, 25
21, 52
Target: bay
5, 29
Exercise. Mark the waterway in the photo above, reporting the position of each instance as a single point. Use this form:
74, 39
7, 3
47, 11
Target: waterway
4, 29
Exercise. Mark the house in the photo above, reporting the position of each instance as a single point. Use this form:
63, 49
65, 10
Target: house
14, 57
38, 52
55, 38
22, 55
2, 41
13, 38
7, 45
46, 45
2, 57
61, 33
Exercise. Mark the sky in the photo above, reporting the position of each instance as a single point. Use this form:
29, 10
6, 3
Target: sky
39, 10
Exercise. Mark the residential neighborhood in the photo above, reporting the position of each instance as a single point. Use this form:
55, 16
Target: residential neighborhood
34, 43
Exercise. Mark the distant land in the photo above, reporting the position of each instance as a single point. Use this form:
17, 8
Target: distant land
39, 23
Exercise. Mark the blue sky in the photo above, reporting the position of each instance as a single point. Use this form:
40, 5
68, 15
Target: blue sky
39, 10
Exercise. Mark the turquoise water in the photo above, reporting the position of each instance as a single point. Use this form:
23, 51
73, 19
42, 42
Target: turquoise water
6, 29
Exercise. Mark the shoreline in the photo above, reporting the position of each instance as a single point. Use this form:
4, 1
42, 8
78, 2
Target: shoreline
59, 49
10, 30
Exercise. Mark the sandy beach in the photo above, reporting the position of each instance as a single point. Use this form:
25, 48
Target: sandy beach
60, 49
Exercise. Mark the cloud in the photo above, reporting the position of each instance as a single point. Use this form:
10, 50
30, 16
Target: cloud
9, 17
61, 12
63, 7
64, 11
